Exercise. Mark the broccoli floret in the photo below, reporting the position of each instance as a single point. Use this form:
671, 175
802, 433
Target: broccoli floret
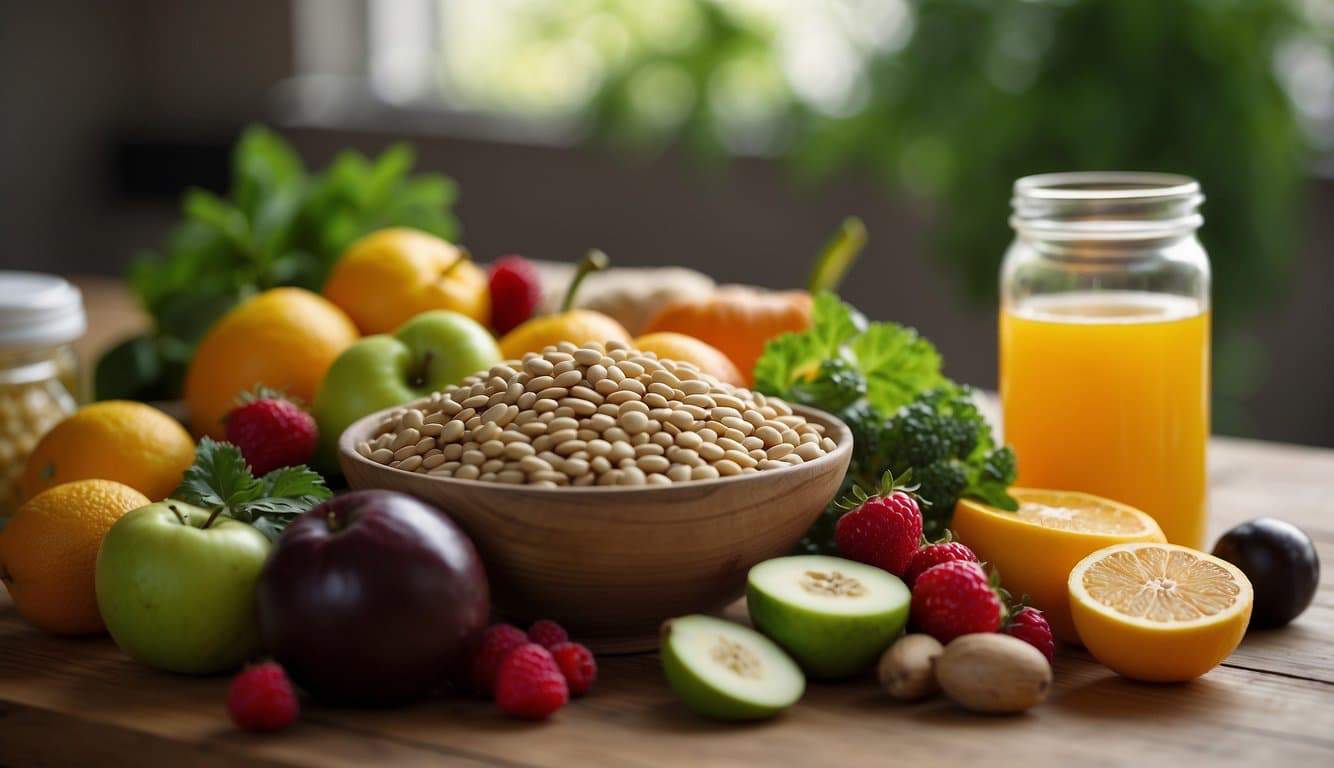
946, 442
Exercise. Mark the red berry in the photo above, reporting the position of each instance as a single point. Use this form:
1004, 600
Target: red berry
271, 433
261, 698
578, 665
955, 598
547, 633
516, 291
935, 554
529, 684
496, 644
1029, 625
884, 531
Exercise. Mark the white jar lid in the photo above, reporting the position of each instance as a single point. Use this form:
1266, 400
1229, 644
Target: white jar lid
38, 310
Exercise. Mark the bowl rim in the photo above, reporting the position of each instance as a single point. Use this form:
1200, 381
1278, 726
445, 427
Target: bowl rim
841, 433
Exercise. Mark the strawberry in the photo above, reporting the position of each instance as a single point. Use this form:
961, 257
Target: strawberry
271, 431
547, 633
883, 530
529, 684
516, 290
262, 699
934, 554
578, 665
496, 644
1028, 624
956, 598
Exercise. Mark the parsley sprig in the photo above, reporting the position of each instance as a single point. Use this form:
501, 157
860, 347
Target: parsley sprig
221, 481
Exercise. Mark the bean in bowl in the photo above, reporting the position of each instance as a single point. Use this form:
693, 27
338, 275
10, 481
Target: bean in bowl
594, 415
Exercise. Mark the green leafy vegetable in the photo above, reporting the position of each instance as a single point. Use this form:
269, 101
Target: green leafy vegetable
221, 480
884, 381
278, 226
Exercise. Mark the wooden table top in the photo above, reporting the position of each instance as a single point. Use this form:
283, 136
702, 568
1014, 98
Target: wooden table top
80, 702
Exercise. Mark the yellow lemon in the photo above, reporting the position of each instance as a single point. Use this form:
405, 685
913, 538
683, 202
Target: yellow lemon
1159, 612
120, 440
392, 275
683, 348
284, 339
1035, 547
577, 326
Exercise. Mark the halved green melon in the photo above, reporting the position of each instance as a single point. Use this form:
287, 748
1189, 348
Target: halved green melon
834, 616
726, 671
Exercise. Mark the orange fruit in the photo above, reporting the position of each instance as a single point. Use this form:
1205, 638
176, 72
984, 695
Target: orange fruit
1035, 547
48, 552
284, 339
577, 326
390, 276
1159, 612
678, 346
120, 440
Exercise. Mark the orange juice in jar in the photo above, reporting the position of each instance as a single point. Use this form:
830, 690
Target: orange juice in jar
1104, 342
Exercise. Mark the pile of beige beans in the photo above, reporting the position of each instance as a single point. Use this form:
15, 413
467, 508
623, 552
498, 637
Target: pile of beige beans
594, 415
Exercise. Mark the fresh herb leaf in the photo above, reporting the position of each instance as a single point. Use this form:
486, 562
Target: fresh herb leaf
220, 478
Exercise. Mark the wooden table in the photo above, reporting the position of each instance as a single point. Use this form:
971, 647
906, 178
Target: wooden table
80, 702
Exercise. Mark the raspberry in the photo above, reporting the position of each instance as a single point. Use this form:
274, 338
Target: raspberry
935, 554
547, 633
955, 598
529, 684
271, 432
261, 698
496, 644
1029, 625
516, 291
578, 665
882, 530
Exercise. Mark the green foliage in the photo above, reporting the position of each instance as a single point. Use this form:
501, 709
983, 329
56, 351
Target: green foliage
280, 225
907, 419
220, 480
986, 91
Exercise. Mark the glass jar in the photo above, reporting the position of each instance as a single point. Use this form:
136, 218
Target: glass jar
1104, 342
40, 317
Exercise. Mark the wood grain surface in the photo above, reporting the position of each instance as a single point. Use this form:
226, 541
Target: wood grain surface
79, 702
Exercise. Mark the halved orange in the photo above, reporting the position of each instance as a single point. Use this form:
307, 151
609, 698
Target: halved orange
1035, 547
1159, 612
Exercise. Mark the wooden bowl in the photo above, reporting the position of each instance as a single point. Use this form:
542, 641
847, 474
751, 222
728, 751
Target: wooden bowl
611, 563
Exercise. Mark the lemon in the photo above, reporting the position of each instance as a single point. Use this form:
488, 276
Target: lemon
1159, 612
1035, 548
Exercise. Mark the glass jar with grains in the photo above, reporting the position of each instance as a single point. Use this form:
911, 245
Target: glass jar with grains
40, 317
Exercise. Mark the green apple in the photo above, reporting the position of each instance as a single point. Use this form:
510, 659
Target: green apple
427, 353
834, 616
177, 595
726, 671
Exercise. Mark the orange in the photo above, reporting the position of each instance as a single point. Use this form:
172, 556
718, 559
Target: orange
49, 549
119, 440
1035, 547
390, 276
678, 346
577, 326
284, 339
1159, 612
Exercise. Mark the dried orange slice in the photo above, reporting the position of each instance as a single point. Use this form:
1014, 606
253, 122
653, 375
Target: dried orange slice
1035, 547
1159, 612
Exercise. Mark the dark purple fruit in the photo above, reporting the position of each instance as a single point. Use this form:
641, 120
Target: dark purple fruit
1281, 562
372, 597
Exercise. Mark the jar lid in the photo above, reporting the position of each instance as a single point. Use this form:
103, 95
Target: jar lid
38, 310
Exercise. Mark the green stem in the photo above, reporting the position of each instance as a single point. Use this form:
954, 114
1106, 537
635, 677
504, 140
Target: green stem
464, 255
595, 261
214, 515
838, 255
